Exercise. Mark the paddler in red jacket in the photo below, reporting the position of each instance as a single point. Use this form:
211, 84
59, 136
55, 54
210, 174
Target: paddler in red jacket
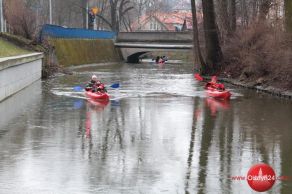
214, 85
100, 87
95, 85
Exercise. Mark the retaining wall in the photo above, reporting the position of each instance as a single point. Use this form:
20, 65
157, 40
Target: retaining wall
19, 72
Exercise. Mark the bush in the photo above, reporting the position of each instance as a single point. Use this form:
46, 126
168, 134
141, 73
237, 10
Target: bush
260, 51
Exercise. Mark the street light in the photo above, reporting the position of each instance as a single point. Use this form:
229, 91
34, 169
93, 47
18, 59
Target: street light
51, 16
87, 9
1, 16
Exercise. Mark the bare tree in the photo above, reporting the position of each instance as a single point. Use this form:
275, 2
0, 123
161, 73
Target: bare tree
214, 54
21, 19
117, 11
232, 15
197, 50
264, 8
223, 18
288, 15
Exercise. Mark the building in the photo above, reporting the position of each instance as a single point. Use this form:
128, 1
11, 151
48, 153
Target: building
179, 20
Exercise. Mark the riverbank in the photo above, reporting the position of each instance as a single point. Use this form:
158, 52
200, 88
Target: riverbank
260, 88
49, 65
60, 53
8, 49
259, 57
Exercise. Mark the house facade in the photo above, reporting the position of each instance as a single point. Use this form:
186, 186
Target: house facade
174, 21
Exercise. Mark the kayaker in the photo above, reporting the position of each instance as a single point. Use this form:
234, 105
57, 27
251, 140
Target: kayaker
157, 59
95, 85
91, 84
164, 58
100, 87
213, 84
161, 61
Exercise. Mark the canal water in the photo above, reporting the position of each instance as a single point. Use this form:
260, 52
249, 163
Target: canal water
158, 134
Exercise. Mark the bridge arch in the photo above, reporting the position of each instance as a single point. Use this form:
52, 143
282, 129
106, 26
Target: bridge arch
134, 44
134, 58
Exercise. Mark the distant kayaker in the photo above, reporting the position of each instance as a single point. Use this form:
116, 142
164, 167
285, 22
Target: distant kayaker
213, 84
161, 61
164, 58
157, 59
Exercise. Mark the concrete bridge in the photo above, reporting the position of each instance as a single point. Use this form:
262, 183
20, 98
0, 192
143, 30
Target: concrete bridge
135, 44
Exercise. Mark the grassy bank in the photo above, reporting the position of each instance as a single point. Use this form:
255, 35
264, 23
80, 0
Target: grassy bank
8, 49
76, 52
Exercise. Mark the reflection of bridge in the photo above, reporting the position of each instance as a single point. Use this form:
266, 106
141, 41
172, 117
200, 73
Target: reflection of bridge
135, 44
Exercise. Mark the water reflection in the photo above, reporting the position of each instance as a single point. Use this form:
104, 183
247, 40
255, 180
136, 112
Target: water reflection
154, 137
216, 105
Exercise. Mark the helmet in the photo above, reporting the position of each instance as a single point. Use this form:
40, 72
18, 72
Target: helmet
94, 77
214, 79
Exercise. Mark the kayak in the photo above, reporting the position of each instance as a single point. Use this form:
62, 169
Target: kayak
218, 94
97, 95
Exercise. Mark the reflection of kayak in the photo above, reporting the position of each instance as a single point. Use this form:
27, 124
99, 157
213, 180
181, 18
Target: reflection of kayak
216, 105
218, 94
99, 103
97, 95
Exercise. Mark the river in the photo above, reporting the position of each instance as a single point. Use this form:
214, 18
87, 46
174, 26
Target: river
158, 134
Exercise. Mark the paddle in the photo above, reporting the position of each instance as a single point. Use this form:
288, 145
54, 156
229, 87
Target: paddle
80, 88
115, 85
198, 77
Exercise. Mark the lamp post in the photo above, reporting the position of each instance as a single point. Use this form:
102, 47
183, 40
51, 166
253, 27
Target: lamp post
51, 15
1, 16
87, 10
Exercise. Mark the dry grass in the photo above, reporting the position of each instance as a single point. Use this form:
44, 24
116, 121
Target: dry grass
260, 52
8, 49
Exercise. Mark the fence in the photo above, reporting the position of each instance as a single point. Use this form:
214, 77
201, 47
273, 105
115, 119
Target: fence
74, 33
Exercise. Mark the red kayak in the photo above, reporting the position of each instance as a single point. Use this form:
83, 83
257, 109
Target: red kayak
218, 94
97, 95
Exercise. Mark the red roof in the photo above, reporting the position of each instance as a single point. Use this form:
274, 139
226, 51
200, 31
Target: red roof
169, 20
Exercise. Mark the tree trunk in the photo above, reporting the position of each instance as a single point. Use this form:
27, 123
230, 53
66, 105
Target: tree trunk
288, 15
114, 19
264, 9
197, 51
84, 14
223, 19
214, 54
244, 13
232, 15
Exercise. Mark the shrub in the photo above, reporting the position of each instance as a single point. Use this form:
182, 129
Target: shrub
260, 51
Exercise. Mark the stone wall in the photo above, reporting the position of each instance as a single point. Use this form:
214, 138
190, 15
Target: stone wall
72, 52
